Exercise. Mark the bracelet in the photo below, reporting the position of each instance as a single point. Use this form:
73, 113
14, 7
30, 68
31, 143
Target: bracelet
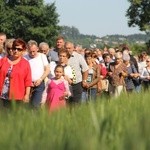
84, 81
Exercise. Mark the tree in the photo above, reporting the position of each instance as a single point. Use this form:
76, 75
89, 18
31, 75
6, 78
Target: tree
139, 14
29, 19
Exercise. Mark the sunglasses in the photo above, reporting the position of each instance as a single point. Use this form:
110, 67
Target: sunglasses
147, 60
18, 49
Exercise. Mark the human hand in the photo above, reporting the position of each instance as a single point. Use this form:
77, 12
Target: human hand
37, 82
26, 98
84, 84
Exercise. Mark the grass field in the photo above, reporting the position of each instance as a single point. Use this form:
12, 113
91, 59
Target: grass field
115, 124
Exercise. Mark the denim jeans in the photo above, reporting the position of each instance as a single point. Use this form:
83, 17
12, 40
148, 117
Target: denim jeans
89, 94
36, 95
138, 88
77, 93
92, 94
84, 96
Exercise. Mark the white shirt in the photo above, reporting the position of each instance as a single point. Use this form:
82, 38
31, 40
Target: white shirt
67, 70
79, 64
37, 65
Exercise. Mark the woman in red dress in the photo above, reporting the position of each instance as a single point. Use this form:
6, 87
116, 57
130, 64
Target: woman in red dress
15, 75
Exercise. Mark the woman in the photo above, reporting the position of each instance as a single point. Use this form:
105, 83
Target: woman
15, 75
8, 47
116, 73
90, 91
132, 76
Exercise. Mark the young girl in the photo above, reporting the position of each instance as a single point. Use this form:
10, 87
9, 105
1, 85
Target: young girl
56, 91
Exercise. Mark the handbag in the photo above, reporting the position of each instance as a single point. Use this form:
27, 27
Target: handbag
103, 85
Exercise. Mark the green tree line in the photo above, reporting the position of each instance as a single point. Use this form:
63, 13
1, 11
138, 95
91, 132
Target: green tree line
34, 19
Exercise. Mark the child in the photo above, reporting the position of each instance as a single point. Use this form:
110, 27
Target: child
57, 89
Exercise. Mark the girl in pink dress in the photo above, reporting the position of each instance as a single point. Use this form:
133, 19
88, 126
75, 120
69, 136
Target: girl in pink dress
56, 91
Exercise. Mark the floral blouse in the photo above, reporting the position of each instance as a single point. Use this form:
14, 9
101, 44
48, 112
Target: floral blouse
5, 90
117, 79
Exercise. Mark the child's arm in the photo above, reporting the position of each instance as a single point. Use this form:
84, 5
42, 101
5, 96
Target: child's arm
67, 92
44, 95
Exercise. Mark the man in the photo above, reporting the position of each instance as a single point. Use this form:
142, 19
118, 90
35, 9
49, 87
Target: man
59, 45
81, 72
50, 54
39, 70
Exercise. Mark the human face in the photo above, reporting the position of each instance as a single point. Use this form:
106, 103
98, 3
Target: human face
60, 43
59, 73
89, 60
33, 51
44, 49
112, 51
17, 51
70, 48
99, 52
2, 39
118, 60
9, 50
63, 58
107, 59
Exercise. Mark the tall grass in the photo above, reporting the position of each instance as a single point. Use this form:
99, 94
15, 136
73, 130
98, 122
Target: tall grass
115, 124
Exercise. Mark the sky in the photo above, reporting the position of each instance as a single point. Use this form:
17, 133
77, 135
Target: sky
95, 17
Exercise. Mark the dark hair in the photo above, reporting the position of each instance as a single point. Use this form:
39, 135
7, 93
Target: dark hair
89, 54
59, 66
64, 51
18, 42
94, 55
125, 48
106, 55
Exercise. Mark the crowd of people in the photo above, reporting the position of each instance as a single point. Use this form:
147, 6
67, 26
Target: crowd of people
67, 74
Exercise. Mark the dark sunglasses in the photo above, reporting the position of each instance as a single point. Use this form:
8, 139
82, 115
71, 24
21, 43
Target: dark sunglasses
18, 49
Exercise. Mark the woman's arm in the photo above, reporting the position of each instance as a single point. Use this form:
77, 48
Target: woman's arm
27, 94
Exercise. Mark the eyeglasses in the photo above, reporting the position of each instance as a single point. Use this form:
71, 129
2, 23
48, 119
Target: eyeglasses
18, 49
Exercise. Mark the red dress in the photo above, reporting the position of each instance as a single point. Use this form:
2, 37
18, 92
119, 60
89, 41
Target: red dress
55, 99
